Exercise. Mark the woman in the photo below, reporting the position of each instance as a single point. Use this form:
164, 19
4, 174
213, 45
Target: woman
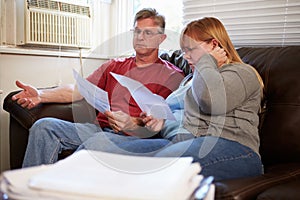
221, 105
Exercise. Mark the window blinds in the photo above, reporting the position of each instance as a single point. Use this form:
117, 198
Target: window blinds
251, 22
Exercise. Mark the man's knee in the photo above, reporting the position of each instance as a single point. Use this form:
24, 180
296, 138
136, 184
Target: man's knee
43, 124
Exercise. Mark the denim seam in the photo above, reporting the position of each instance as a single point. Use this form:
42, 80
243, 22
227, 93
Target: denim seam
55, 152
224, 159
63, 140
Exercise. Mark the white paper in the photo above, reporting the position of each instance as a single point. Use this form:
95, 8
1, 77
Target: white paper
14, 184
148, 102
91, 174
95, 96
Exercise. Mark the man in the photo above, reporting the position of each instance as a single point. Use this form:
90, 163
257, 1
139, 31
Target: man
49, 136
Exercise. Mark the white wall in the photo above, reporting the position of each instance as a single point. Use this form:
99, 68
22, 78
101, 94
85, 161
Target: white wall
110, 19
40, 71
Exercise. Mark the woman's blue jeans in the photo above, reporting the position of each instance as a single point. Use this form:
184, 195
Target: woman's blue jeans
219, 157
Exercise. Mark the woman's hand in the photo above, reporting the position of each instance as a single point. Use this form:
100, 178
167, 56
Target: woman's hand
152, 124
220, 55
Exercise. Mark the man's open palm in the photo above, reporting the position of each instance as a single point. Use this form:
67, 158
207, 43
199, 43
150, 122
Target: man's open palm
28, 97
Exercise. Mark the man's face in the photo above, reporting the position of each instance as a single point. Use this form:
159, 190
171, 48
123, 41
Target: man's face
146, 36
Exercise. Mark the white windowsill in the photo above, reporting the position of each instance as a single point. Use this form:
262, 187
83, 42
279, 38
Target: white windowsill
50, 52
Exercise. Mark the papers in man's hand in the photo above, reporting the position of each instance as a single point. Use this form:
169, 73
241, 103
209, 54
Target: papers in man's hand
95, 96
148, 102
93, 175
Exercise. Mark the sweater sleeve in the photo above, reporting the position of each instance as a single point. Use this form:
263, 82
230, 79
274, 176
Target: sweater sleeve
220, 90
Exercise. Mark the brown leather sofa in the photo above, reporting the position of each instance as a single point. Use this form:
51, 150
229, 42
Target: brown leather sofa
279, 124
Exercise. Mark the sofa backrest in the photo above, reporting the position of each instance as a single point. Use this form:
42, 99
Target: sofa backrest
176, 58
279, 68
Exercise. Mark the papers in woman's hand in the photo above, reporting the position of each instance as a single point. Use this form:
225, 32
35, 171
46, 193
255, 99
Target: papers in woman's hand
94, 95
148, 102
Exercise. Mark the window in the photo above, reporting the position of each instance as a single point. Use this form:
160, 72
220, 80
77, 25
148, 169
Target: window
111, 22
251, 22
64, 25
55, 22
46, 23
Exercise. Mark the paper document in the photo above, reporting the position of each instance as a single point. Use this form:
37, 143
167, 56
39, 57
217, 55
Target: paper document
92, 175
95, 96
148, 102
113, 176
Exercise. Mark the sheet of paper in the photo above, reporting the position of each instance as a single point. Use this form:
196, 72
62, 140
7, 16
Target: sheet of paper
148, 102
95, 96
92, 175
14, 183
111, 176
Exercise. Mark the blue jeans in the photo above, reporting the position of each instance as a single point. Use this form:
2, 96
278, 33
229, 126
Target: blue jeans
126, 145
49, 136
219, 157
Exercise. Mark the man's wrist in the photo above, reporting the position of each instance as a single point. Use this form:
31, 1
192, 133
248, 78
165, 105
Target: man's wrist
138, 121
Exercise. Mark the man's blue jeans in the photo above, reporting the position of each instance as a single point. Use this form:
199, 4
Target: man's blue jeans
49, 136
219, 157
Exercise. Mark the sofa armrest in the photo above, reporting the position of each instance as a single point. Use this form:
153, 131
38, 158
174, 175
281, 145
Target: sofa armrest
250, 188
79, 111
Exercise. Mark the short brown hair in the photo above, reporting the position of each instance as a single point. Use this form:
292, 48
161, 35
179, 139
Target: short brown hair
151, 13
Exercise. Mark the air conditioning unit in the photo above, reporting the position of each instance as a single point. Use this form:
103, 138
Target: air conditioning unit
65, 23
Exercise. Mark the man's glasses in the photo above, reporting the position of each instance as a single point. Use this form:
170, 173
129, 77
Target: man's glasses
147, 34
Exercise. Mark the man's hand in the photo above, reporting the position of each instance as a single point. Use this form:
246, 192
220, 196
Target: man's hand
29, 97
143, 126
120, 121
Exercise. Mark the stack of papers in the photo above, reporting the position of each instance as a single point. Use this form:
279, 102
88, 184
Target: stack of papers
91, 175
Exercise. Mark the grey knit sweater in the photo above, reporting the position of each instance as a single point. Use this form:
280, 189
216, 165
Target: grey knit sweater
224, 102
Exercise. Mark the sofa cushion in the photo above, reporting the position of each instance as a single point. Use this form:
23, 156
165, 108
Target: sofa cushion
287, 191
250, 188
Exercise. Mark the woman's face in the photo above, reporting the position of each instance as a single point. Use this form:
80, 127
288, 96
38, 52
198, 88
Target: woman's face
194, 50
